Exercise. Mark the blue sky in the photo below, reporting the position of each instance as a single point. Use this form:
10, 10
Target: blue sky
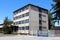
8, 6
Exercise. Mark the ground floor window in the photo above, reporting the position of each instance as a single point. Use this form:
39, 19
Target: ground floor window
24, 28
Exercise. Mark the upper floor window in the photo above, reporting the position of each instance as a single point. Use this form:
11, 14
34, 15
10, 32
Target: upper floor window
22, 21
20, 16
27, 27
43, 21
27, 14
19, 22
14, 18
27, 21
22, 28
23, 15
44, 28
40, 22
39, 15
44, 15
15, 13
40, 27
21, 10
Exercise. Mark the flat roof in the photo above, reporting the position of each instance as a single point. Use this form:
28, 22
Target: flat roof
31, 5
1, 24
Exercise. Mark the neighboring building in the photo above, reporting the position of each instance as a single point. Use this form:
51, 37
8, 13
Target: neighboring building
30, 18
1, 26
56, 28
13, 28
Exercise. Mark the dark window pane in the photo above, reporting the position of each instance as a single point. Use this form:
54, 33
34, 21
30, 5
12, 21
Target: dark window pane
14, 18
40, 22
40, 27
22, 28
19, 28
27, 27
23, 15
20, 16
27, 14
40, 15
19, 22
27, 20
22, 21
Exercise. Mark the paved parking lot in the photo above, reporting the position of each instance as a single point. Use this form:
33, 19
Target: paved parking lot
27, 37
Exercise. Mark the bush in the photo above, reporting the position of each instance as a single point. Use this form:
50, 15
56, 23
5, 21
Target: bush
7, 30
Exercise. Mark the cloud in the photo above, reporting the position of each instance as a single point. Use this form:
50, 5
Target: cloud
1, 21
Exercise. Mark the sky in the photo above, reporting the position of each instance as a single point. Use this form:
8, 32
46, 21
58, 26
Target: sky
8, 6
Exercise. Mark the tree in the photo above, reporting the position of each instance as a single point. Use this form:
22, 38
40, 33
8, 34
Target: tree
51, 21
6, 25
56, 10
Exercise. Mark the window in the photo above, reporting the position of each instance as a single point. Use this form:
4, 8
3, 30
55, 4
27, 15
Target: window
40, 15
43, 11
15, 23
19, 22
25, 8
27, 21
22, 28
40, 27
27, 27
27, 14
19, 28
44, 15
23, 15
40, 10
14, 18
40, 22
43, 21
44, 28
19, 16
15, 13
22, 21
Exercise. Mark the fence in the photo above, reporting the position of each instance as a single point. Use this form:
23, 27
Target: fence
54, 33
43, 33
46, 33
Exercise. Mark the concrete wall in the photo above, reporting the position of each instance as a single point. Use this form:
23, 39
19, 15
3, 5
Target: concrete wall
34, 19
54, 33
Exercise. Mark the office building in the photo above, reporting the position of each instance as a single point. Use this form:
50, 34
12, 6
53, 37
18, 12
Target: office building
30, 19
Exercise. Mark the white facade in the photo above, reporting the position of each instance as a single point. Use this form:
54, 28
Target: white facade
1, 26
30, 21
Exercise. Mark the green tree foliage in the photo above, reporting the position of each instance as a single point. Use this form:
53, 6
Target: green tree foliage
49, 20
6, 24
56, 10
